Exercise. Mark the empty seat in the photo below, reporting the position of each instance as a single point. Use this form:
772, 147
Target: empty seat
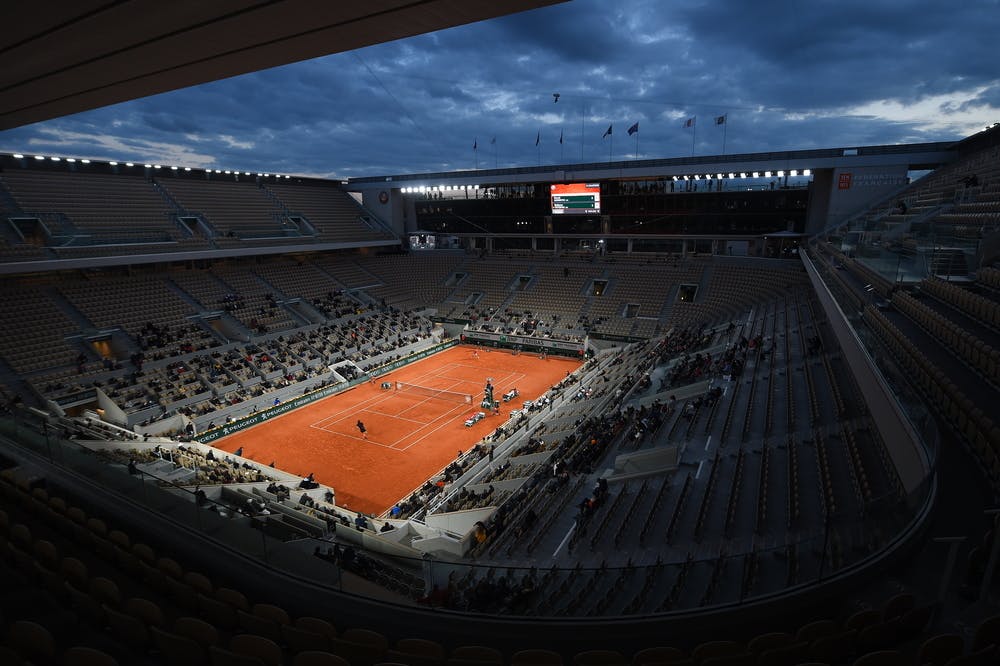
937, 650
178, 650
87, 656
32, 641
600, 658
257, 646
476, 653
536, 656
316, 658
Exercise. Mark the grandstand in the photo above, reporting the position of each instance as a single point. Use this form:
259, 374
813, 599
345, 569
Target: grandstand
776, 427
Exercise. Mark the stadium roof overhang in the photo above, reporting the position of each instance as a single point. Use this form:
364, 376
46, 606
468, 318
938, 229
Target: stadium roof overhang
918, 156
74, 55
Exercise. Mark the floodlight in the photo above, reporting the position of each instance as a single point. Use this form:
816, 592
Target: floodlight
113, 163
767, 174
217, 171
259, 175
246, 173
732, 175
781, 174
55, 159
267, 175
696, 176
228, 171
287, 177
39, 157
128, 164
806, 172
70, 159
156, 166
756, 174
173, 168
187, 168
793, 173
743, 174
85, 161
719, 175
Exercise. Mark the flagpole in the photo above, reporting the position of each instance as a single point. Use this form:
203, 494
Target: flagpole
560, 146
725, 126
611, 146
583, 110
694, 134
475, 151
637, 144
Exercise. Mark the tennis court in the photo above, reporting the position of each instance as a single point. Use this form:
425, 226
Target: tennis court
411, 433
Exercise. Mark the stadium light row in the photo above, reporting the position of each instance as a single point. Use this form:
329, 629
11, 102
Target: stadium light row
237, 172
438, 188
734, 175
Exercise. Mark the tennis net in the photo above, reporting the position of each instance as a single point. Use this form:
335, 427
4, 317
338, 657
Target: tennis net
440, 394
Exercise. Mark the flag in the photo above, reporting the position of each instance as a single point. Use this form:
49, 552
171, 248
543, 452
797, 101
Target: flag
632, 130
538, 137
607, 132
475, 144
689, 122
493, 141
720, 120
560, 137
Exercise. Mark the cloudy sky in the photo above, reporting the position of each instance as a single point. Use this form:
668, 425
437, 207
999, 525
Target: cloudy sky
785, 76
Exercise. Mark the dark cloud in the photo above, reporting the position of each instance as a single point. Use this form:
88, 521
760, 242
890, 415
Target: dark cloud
787, 76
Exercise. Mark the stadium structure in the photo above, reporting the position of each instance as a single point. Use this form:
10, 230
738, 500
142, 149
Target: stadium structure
779, 446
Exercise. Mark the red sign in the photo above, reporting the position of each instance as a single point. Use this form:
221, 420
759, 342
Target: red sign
845, 181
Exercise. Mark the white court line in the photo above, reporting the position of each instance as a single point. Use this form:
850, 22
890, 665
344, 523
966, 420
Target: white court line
698, 473
565, 539
707, 442
507, 380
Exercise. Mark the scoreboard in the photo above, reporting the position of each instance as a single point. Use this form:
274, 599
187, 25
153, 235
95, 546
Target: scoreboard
576, 198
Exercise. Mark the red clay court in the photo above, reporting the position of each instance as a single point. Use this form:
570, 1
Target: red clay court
410, 436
